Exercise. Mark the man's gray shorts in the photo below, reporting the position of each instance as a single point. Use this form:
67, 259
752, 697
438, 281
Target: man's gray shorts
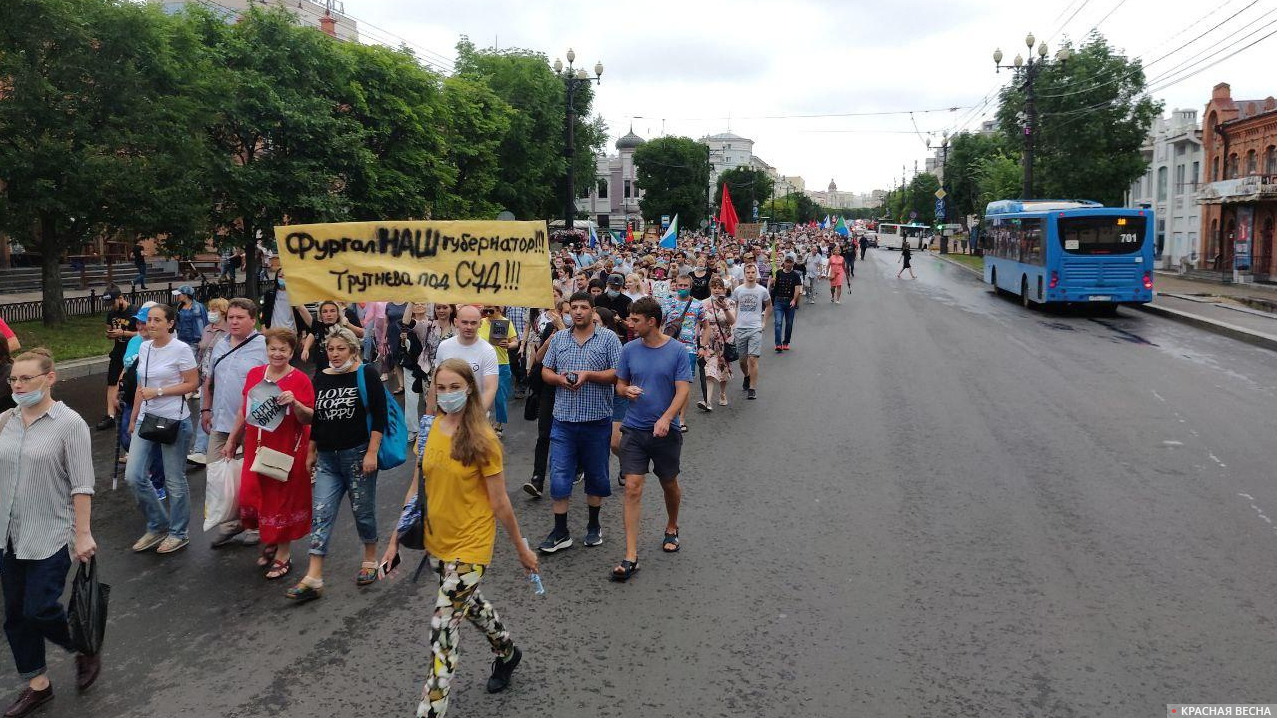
749, 342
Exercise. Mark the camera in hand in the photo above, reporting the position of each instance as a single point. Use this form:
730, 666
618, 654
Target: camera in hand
571, 377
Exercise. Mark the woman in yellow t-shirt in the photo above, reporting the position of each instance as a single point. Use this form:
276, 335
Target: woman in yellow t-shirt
465, 498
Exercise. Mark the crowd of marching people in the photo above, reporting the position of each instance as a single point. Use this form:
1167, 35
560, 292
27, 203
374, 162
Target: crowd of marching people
303, 408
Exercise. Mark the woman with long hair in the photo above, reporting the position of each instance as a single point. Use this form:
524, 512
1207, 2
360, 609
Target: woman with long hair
837, 274
344, 439
716, 334
280, 508
465, 498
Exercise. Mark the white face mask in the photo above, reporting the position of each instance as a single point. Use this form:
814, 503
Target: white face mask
28, 399
346, 366
452, 401
214, 317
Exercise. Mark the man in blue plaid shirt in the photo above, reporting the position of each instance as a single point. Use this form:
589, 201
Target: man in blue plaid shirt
581, 364
518, 316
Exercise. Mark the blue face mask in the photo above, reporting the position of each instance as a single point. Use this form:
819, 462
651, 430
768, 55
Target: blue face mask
28, 399
280, 282
684, 293
452, 401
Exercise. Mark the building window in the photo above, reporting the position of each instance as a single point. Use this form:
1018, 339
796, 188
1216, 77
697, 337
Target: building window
1179, 178
1197, 168
1230, 172
602, 189
627, 189
1161, 237
1162, 173
1252, 162
1270, 160
1214, 169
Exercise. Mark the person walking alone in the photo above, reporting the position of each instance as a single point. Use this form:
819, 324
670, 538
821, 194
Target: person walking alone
464, 476
46, 494
906, 258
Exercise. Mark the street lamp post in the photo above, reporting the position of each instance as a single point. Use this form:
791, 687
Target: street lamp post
1028, 72
572, 79
944, 181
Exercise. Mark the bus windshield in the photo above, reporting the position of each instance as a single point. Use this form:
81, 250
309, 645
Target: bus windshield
1101, 235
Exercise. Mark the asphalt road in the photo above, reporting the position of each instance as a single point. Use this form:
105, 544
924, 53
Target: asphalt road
941, 504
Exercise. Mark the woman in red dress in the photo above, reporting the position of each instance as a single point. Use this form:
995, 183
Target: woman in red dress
280, 510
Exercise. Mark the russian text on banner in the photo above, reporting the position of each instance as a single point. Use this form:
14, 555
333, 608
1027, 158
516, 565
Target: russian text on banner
458, 262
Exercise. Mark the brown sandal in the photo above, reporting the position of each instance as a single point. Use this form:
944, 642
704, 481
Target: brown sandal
279, 569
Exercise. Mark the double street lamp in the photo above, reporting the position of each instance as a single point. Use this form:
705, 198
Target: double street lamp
573, 78
1028, 72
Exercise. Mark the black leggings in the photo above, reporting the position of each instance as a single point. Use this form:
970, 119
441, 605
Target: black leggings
541, 455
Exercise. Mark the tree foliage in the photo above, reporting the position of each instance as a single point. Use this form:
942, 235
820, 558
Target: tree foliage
98, 135
673, 173
1093, 116
967, 153
746, 186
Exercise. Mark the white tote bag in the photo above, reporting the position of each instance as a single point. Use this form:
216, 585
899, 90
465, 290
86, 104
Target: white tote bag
221, 496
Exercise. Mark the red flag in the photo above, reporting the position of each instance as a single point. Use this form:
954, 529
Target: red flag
727, 213
629, 233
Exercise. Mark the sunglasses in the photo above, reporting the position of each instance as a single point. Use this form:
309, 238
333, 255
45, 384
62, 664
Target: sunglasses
489, 311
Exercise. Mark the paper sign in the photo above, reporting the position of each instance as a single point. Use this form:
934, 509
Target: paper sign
263, 411
458, 262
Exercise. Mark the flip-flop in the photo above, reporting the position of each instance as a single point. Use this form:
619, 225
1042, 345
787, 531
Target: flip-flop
671, 539
624, 571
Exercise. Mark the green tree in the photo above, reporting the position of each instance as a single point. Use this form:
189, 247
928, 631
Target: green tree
921, 198
746, 186
997, 177
967, 152
286, 137
1093, 116
673, 173
533, 168
97, 137
475, 121
399, 104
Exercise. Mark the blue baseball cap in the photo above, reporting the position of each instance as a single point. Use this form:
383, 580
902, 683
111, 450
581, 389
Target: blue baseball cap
144, 312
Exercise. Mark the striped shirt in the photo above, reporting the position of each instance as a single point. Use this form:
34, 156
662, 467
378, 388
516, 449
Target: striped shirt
41, 467
600, 352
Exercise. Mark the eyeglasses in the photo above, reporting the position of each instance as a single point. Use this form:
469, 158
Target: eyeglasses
23, 379
489, 311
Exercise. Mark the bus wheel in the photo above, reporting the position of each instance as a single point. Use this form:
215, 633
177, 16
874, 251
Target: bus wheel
993, 275
1024, 293
1108, 309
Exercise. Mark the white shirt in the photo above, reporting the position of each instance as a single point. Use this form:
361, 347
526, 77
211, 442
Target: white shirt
162, 367
750, 303
282, 315
480, 355
737, 271
229, 375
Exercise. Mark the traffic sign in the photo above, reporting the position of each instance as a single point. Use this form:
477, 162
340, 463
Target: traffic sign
940, 210
940, 193
665, 221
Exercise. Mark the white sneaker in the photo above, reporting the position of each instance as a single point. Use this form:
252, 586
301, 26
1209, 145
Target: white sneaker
197, 459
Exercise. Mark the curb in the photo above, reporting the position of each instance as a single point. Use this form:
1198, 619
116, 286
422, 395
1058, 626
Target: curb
960, 265
1259, 339
78, 368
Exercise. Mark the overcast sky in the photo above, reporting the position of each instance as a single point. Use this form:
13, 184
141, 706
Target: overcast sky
681, 68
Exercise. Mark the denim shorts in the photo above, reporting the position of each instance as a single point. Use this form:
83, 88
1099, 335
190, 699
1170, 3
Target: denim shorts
584, 444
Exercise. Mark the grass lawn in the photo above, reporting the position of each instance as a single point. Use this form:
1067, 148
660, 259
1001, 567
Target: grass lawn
970, 260
76, 338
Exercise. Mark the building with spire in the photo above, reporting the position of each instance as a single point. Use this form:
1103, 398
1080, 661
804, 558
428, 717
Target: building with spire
612, 199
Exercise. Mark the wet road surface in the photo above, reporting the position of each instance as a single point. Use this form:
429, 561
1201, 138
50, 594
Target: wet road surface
942, 504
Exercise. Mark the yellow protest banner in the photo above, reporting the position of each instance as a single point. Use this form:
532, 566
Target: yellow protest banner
458, 262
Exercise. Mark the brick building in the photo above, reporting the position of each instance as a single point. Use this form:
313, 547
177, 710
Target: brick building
1239, 193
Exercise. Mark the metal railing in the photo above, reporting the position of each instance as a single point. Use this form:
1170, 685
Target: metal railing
95, 303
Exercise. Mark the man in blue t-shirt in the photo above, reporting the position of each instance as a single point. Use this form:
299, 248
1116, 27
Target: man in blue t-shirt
655, 376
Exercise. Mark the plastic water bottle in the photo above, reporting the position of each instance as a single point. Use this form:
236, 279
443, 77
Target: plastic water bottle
535, 578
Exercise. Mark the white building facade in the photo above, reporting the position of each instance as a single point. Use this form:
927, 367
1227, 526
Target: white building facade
1174, 152
726, 152
308, 13
612, 199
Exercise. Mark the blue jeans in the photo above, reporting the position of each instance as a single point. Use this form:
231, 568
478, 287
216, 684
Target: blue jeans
141, 275
337, 473
175, 520
781, 311
505, 388
201, 438
33, 613
156, 465
584, 444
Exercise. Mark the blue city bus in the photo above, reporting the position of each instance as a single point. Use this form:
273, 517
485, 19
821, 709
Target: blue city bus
1069, 252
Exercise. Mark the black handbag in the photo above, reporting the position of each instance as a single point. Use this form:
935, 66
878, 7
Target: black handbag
159, 429
86, 615
730, 354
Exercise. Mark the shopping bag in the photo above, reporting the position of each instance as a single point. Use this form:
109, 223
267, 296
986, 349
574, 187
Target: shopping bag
86, 616
221, 495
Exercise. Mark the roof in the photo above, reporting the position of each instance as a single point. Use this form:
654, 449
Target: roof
728, 136
629, 141
1247, 109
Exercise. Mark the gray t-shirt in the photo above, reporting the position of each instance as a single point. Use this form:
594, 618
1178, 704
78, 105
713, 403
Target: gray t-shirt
229, 376
750, 303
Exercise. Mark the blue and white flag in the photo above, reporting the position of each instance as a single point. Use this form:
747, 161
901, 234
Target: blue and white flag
594, 238
669, 240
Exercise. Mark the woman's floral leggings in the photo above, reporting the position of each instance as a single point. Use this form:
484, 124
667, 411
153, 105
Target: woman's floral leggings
458, 598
